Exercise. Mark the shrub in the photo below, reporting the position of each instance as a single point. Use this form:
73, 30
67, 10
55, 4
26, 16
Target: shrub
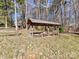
61, 29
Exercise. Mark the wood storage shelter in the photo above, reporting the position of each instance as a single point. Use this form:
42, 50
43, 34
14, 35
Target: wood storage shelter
36, 22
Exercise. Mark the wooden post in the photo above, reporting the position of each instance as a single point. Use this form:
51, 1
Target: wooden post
45, 28
48, 30
32, 31
57, 29
52, 29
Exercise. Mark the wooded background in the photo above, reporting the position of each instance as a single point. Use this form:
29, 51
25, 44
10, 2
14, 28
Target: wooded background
65, 12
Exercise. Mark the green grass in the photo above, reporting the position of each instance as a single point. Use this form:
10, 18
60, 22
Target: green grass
63, 46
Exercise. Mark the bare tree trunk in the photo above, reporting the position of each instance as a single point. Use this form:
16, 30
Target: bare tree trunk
37, 13
61, 15
5, 13
6, 23
74, 7
47, 9
16, 24
26, 14
38, 10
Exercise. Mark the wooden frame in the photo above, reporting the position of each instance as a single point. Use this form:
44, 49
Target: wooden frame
37, 22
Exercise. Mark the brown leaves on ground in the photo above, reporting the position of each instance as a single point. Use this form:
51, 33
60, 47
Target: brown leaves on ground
63, 46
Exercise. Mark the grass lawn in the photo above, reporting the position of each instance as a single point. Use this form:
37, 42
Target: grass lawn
63, 46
